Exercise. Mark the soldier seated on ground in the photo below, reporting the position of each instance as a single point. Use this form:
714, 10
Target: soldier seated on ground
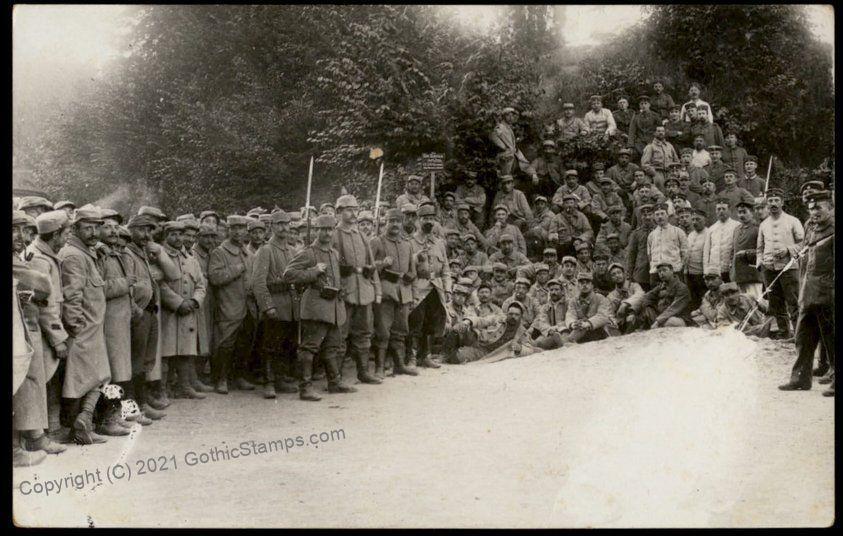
549, 324
538, 293
502, 286
508, 255
603, 282
667, 304
736, 307
588, 315
464, 325
706, 315
485, 306
505, 338
624, 298
528, 309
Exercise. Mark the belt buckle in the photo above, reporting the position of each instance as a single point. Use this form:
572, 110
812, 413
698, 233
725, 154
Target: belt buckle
358, 269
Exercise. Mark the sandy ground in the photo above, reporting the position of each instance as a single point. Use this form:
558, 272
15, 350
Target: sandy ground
677, 427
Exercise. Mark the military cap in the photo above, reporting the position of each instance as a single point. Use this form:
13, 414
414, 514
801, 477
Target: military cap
539, 266
501, 206
471, 268
595, 98
675, 108
265, 218
257, 211
409, 208
574, 197
506, 237
714, 148
88, 213
469, 236
484, 284
729, 169
31, 201
366, 215
142, 220
172, 226
750, 158
660, 206
463, 206
674, 165
625, 151
569, 259
20, 217
598, 165
522, 280
775, 192
622, 98
256, 224
644, 98
516, 305
413, 178
728, 288
110, 213
426, 210
499, 266
279, 216
664, 263
507, 178
746, 200
549, 143
205, 213
47, 222
690, 105
700, 212
617, 265
393, 213
606, 180
451, 231
461, 289
508, 109
686, 150
615, 208
426, 202
680, 195
685, 207
190, 224
123, 232
184, 217
613, 235
571, 172
540, 198
674, 180
567, 105
155, 212
345, 201
235, 219
584, 276
582, 245
818, 195
554, 282
813, 185
61, 205
449, 194
325, 221
548, 251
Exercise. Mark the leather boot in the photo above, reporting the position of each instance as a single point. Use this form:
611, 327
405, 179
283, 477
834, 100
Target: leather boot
380, 358
140, 418
83, 425
412, 351
306, 391
827, 378
222, 386
63, 435
398, 366
243, 384
43, 442
153, 396
423, 356
195, 382
184, 389
139, 384
22, 457
363, 375
269, 390
339, 387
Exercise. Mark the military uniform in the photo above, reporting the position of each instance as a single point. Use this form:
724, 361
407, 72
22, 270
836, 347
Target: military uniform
593, 308
549, 324
433, 282
666, 301
493, 235
641, 129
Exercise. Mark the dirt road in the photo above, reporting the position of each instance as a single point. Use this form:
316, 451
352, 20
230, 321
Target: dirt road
667, 428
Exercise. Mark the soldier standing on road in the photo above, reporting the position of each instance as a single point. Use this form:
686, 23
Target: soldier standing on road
360, 286
323, 313
396, 263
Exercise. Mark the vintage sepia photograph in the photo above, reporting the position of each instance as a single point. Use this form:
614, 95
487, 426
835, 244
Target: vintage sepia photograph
423, 266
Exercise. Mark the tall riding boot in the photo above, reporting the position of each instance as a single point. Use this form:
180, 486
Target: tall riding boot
83, 425
269, 375
306, 391
335, 384
362, 360
195, 364
184, 389
398, 366
380, 359
413, 350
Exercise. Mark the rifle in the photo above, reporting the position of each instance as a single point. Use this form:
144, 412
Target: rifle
767, 182
374, 154
307, 201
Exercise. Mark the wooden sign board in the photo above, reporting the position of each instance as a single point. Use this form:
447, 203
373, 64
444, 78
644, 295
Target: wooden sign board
433, 162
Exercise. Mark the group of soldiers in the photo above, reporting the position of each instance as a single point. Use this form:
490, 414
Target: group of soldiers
154, 308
